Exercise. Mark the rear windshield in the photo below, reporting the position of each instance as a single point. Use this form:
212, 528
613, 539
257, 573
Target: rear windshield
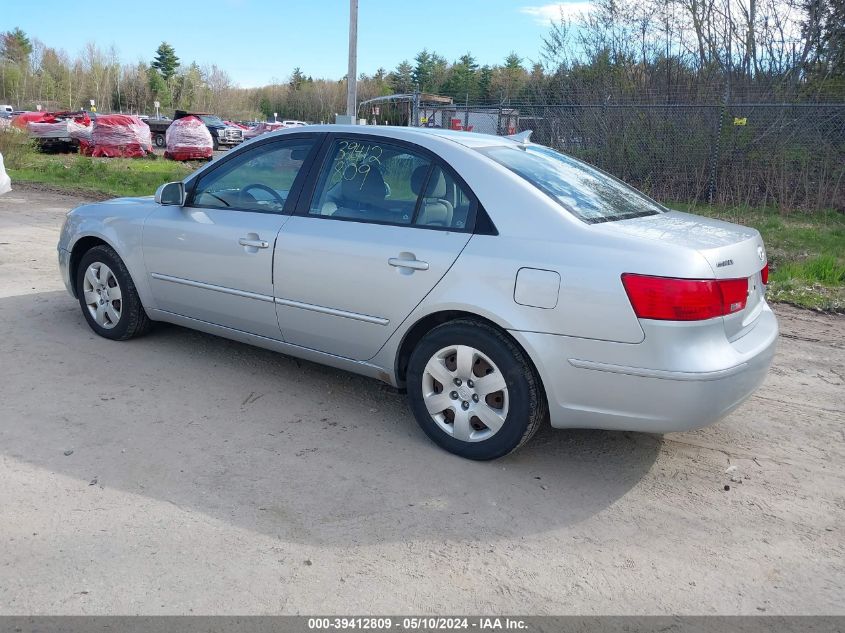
588, 193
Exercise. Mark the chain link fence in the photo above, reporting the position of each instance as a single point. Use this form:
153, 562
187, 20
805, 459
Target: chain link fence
789, 156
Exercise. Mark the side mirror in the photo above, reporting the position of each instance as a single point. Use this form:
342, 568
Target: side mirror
171, 194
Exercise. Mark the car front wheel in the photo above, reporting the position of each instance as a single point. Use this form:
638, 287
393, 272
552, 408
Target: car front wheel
108, 297
473, 390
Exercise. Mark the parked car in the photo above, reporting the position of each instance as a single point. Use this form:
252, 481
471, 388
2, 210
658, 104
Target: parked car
501, 283
263, 128
6, 109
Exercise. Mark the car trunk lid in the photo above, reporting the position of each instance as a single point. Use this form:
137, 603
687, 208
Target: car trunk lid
733, 252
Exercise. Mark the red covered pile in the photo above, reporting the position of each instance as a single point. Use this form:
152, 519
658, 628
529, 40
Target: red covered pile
121, 136
188, 139
82, 132
55, 125
47, 129
21, 120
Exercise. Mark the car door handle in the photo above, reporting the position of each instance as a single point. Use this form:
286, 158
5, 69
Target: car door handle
413, 264
254, 243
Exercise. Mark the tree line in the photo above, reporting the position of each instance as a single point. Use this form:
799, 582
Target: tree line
644, 51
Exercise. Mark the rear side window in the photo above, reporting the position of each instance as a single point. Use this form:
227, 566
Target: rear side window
588, 193
371, 181
444, 203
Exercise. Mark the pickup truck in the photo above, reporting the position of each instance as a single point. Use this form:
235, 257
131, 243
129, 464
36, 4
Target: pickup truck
221, 134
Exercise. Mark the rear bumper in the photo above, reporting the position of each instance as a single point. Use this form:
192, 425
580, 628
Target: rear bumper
680, 377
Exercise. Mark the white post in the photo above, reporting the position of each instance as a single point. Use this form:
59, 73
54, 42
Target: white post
352, 74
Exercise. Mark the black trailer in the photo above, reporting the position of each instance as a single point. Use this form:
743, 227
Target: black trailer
158, 129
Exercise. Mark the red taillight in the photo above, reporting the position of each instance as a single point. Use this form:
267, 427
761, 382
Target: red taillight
669, 299
764, 274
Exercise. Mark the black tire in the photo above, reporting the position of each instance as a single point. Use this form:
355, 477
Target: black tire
215, 143
133, 319
527, 407
160, 140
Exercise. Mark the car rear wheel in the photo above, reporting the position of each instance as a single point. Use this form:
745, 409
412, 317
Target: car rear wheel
108, 297
473, 390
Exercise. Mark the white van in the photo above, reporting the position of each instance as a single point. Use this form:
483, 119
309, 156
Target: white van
6, 109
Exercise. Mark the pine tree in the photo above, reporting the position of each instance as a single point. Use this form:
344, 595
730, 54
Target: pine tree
463, 79
422, 71
158, 87
485, 83
297, 78
165, 61
402, 79
15, 46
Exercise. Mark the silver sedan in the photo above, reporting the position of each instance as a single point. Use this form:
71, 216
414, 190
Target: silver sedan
501, 283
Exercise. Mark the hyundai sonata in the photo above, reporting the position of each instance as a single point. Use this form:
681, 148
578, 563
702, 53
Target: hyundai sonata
499, 282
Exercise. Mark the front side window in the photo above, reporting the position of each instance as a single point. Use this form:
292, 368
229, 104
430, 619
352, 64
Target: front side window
371, 181
258, 180
590, 194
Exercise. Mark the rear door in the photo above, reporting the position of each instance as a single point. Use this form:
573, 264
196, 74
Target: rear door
212, 259
384, 223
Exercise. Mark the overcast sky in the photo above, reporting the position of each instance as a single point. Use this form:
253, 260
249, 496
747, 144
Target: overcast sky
256, 41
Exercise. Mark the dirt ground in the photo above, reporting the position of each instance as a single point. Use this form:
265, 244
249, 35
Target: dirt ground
182, 473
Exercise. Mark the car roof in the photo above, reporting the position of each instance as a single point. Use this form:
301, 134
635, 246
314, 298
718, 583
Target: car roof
467, 139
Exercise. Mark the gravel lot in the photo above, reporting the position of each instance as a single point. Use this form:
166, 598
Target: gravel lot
211, 477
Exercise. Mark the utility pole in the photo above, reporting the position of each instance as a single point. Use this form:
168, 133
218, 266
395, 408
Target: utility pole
352, 74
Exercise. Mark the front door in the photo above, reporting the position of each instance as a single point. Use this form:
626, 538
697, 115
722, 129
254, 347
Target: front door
384, 224
212, 259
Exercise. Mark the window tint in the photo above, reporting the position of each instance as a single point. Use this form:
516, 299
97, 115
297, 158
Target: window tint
587, 192
369, 181
259, 180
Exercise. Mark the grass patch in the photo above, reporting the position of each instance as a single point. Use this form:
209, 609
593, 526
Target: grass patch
110, 176
823, 269
806, 252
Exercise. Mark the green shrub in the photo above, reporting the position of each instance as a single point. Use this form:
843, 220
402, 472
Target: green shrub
16, 147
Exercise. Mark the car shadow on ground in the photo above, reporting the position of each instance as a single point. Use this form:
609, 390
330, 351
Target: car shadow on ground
283, 447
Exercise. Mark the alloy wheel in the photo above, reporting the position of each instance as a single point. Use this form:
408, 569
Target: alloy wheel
102, 295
